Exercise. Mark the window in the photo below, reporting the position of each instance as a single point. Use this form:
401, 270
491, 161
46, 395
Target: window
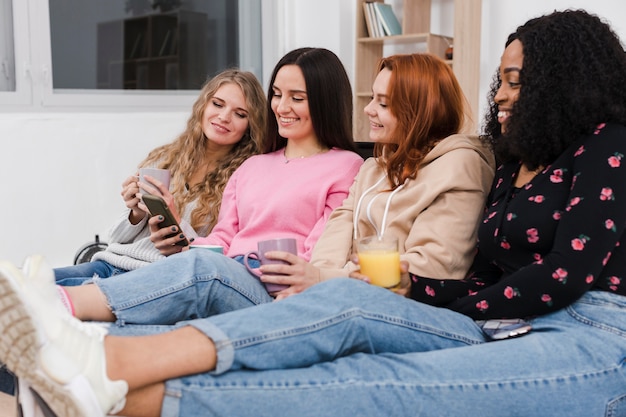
7, 56
134, 53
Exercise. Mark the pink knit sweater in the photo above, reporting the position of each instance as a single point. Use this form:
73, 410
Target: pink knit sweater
269, 198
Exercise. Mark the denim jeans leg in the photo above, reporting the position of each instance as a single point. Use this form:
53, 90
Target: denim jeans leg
332, 319
185, 286
77, 274
572, 364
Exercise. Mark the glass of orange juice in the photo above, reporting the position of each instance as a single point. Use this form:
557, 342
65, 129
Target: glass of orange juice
380, 260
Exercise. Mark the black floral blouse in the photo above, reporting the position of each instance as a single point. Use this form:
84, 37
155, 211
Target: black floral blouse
543, 245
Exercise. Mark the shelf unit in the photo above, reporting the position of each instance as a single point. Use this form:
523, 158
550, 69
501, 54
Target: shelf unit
159, 51
416, 37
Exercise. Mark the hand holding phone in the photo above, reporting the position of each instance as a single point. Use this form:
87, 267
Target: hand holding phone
157, 206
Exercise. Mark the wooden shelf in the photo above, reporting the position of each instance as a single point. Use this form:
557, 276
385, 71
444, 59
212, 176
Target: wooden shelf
157, 51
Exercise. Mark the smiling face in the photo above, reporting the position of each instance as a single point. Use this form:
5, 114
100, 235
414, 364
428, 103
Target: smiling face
225, 117
510, 67
290, 104
382, 122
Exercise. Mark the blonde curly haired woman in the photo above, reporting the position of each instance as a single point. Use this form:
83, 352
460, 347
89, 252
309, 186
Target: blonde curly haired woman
226, 126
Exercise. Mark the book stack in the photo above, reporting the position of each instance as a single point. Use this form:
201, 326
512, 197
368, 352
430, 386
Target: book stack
380, 20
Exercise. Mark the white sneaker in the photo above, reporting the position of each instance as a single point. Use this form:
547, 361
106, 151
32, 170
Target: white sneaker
60, 357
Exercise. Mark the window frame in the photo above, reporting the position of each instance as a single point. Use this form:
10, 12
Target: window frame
22, 95
33, 72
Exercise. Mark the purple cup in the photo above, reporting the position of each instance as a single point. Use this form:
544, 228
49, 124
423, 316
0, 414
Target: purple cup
284, 245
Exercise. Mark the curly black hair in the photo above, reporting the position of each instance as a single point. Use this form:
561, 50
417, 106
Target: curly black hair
573, 77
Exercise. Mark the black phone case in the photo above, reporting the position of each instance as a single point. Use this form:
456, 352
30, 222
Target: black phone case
156, 205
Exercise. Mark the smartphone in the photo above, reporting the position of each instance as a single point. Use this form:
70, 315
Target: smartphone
499, 329
156, 205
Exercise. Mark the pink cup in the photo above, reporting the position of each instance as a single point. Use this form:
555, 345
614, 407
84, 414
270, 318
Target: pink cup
284, 245
159, 174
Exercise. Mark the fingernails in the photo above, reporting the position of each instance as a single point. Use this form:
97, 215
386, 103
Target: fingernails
181, 236
160, 217
173, 228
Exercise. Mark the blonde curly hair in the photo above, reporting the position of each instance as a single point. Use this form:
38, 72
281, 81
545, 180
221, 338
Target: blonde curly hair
183, 155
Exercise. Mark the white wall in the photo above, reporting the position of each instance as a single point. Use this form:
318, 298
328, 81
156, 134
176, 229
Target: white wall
60, 173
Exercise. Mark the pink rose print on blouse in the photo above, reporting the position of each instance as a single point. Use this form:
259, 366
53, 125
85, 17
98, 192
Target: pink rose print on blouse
537, 199
528, 186
589, 279
511, 216
429, 291
579, 151
599, 128
574, 181
560, 275
547, 299
574, 201
606, 259
610, 225
500, 180
579, 242
505, 245
614, 282
607, 194
510, 292
538, 259
482, 305
557, 176
616, 160
532, 235
556, 215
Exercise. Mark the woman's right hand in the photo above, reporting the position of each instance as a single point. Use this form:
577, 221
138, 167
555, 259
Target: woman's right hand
159, 237
130, 194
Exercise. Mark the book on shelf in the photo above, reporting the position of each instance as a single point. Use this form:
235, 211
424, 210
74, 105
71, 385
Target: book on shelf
369, 21
388, 19
373, 24
164, 45
136, 51
378, 24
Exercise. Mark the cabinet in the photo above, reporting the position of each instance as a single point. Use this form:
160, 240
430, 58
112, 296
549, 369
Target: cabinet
416, 37
159, 51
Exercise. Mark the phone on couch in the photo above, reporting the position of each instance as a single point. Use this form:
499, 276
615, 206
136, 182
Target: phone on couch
157, 206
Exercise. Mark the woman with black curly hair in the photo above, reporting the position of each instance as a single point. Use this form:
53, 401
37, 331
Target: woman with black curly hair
551, 250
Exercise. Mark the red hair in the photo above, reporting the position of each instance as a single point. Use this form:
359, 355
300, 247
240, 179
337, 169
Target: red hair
427, 100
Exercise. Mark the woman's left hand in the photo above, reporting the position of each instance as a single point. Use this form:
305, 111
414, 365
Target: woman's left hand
403, 289
299, 274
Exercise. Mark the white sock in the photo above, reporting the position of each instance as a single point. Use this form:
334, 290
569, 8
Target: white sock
65, 299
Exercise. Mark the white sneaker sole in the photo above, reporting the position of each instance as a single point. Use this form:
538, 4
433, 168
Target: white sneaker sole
20, 345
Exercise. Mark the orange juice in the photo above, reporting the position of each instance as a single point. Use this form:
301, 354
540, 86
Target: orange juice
381, 266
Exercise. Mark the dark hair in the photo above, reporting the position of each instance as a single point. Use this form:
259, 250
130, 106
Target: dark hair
573, 77
329, 96
426, 99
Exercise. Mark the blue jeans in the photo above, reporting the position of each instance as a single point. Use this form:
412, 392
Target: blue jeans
78, 274
344, 348
189, 285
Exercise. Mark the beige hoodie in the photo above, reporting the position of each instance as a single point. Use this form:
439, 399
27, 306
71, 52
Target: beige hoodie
435, 216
